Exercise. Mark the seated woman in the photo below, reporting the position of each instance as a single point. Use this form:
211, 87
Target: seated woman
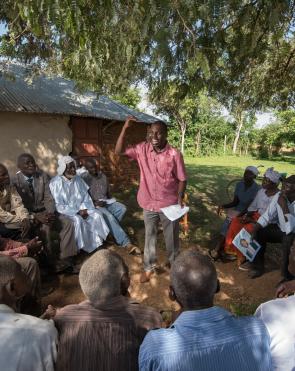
258, 207
245, 193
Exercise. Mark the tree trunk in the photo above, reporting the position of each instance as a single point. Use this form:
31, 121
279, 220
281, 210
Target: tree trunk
239, 119
224, 145
183, 130
198, 143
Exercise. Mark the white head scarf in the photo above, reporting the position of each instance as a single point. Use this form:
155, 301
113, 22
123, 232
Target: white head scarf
62, 164
272, 175
253, 169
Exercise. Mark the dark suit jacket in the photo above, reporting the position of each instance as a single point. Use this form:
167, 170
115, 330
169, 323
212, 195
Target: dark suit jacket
42, 199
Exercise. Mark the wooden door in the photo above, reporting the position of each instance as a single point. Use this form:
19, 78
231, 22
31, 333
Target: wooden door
87, 139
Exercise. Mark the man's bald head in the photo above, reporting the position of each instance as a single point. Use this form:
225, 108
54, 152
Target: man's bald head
193, 280
27, 164
13, 282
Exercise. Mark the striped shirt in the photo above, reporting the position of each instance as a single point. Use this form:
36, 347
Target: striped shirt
103, 338
208, 340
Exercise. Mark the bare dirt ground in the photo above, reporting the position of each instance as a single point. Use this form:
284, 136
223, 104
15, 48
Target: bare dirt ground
238, 293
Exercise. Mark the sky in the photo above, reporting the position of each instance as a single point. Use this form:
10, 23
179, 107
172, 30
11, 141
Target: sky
262, 118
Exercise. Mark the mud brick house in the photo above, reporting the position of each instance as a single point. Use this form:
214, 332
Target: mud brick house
48, 117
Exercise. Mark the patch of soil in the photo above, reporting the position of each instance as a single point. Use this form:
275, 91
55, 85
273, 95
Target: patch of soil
238, 293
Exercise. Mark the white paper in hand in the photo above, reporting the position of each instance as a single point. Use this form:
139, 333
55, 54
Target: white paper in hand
108, 201
248, 247
174, 212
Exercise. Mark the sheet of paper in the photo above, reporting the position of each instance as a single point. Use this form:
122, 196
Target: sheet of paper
108, 201
248, 247
174, 212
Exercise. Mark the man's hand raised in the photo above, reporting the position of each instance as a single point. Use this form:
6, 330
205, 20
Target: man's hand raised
129, 121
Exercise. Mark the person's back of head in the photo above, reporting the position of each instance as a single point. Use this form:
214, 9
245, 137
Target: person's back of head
204, 336
27, 342
104, 276
13, 282
193, 280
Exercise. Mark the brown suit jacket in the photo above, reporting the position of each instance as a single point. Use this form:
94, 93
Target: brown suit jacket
42, 199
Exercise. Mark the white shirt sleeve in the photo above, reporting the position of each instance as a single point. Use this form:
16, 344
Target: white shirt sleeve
254, 204
271, 212
290, 224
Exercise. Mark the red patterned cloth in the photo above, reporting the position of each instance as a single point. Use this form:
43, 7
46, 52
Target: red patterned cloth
235, 226
12, 248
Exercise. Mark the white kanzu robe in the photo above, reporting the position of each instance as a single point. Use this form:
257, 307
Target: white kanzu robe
70, 197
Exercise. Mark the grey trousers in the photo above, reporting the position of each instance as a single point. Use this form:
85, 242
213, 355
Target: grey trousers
65, 231
171, 236
31, 303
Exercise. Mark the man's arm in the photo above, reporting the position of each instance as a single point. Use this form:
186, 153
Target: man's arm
48, 199
181, 191
17, 205
120, 145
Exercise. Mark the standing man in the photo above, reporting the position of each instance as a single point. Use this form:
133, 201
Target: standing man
162, 184
33, 186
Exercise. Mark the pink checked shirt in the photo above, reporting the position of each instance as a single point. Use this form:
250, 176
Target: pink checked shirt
160, 174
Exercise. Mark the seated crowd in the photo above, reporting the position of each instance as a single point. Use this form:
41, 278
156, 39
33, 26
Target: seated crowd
48, 223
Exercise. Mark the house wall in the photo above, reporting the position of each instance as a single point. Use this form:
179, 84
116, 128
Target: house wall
120, 170
97, 138
44, 136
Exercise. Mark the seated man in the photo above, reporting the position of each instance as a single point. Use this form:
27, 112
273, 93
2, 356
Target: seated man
24, 253
26, 343
32, 185
279, 318
113, 213
72, 200
14, 218
204, 337
263, 198
110, 325
245, 193
276, 225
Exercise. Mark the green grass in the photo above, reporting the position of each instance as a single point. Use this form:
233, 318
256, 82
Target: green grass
207, 181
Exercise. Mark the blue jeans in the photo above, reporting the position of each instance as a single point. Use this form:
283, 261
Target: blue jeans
113, 214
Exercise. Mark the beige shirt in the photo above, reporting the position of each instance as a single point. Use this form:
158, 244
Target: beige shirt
12, 210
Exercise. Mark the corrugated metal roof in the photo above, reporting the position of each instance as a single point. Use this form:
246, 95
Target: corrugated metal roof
56, 95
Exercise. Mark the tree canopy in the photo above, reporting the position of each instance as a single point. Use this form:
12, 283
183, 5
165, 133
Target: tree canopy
107, 45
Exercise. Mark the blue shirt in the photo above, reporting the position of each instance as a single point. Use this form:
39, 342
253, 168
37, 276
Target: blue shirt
207, 340
245, 195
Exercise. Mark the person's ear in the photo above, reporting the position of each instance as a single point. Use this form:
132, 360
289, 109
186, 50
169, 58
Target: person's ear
10, 288
217, 286
125, 283
172, 295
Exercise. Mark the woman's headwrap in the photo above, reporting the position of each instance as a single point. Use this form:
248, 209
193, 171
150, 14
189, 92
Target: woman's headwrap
253, 170
272, 175
62, 164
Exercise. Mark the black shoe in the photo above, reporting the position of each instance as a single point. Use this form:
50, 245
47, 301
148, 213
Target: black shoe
255, 272
214, 254
227, 257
